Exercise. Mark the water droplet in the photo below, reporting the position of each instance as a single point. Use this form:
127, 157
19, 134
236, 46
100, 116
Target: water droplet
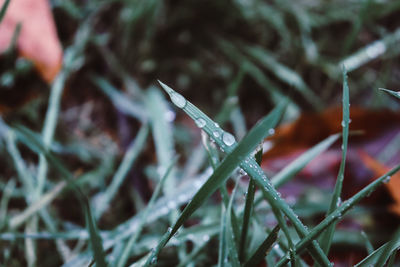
398, 93
169, 116
169, 230
387, 179
228, 139
200, 122
342, 147
206, 238
271, 131
216, 134
338, 202
242, 172
343, 123
350, 121
178, 99
153, 261
216, 125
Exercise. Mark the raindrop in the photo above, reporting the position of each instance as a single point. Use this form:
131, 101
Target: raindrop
398, 93
387, 179
200, 122
216, 125
169, 230
271, 131
153, 261
228, 139
216, 134
242, 172
338, 202
206, 238
343, 123
178, 99
169, 116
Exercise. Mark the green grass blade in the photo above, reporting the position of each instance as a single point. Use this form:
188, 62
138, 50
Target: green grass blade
227, 144
390, 92
102, 201
35, 143
248, 208
126, 252
4, 9
389, 249
326, 238
228, 165
120, 100
340, 211
230, 235
379, 256
263, 249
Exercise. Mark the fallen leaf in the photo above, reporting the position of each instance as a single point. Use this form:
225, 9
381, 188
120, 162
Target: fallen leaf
393, 185
38, 40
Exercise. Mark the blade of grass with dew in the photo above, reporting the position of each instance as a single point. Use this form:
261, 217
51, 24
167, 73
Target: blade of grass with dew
389, 249
228, 165
327, 236
227, 144
102, 201
284, 73
5, 198
367, 242
263, 249
36, 206
156, 107
390, 92
33, 142
372, 258
229, 231
370, 52
340, 211
132, 240
120, 100
3, 10
248, 209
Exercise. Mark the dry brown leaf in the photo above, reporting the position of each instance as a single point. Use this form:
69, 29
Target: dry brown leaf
393, 185
38, 40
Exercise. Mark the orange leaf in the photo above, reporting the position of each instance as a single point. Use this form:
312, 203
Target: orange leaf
38, 40
393, 185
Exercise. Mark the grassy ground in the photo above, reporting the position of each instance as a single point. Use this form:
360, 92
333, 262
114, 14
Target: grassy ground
107, 165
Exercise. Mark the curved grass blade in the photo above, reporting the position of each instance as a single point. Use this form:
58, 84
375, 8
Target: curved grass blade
381, 254
263, 249
229, 235
248, 208
227, 144
4, 9
125, 254
34, 143
340, 211
390, 92
326, 238
227, 166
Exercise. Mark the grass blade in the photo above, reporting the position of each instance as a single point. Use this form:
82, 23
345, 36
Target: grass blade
229, 235
248, 208
340, 211
326, 238
263, 249
228, 165
227, 144
390, 92
4, 9
33, 142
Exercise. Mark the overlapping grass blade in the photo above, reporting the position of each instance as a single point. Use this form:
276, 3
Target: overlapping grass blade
229, 231
340, 211
326, 238
126, 252
381, 253
263, 249
227, 143
228, 165
248, 208
393, 93
35, 143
